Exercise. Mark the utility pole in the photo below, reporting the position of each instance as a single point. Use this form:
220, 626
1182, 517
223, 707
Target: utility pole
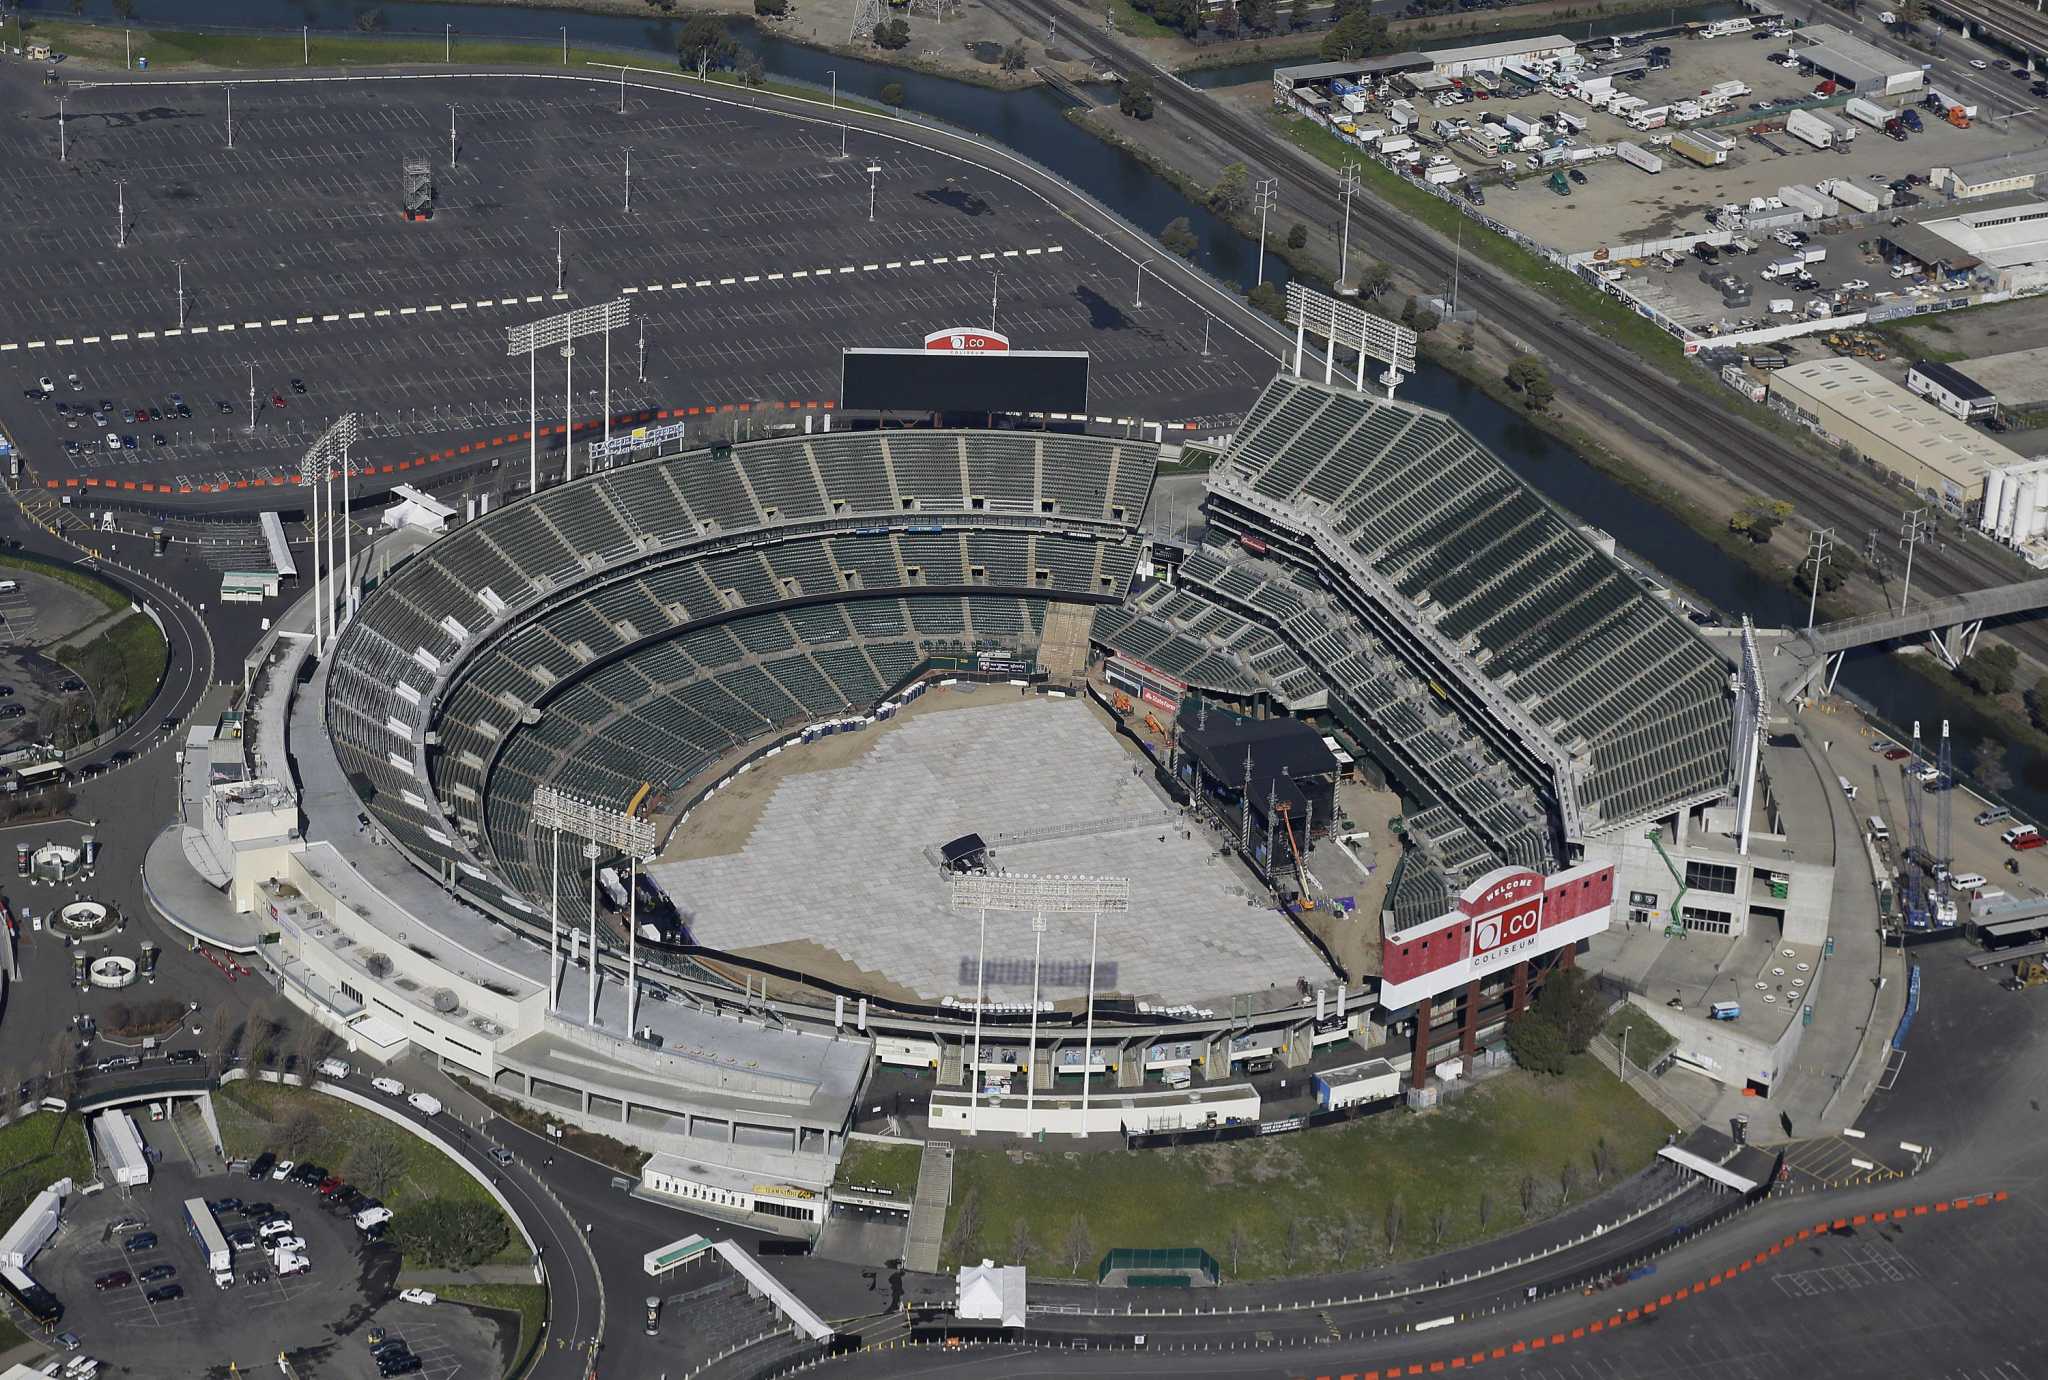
994, 286
120, 213
181, 294
1263, 197
1348, 185
451, 138
1817, 552
252, 397
1912, 531
558, 258
643, 349
629, 179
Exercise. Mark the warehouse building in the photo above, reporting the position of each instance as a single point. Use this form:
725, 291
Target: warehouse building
1850, 60
1492, 57
1951, 390
1855, 405
2003, 175
2008, 244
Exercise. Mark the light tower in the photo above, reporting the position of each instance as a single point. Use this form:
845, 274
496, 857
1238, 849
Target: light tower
1038, 897
603, 829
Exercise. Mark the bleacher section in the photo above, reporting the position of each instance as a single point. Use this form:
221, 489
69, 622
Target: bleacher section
638, 625
1622, 684
1206, 646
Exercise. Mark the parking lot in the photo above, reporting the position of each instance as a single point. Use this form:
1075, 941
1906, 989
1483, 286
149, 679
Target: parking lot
749, 255
321, 1317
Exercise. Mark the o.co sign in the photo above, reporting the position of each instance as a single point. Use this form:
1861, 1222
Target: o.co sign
1509, 928
967, 339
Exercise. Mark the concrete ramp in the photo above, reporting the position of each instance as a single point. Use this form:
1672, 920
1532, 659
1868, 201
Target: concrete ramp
928, 1209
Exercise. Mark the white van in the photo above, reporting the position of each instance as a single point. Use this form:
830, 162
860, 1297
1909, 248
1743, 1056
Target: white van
1878, 830
390, 1087
1176, 1077
1847, 789
1967, 881
1726, 1011
2018, 832
425, 1104
372, 1217
334, 1068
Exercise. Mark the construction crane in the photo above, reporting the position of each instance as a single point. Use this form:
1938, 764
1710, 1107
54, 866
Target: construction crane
1674, 925
1306, 901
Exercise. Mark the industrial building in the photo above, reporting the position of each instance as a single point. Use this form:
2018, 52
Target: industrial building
1493, 57
1871, 70
1950, 389
2003, 175
2016, 508
1854, 404
2003, 247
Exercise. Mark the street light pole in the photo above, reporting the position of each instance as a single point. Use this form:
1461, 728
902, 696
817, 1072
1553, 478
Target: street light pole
181, 294
1088, 1046
558, 258
1031, 1056
1138, 299
447, 43
643, 350
63, 150
451, 138
565, 47
629, 179
874, 171
231, 116
590, 853
120, 213
252, 397
980, 1000
622, 90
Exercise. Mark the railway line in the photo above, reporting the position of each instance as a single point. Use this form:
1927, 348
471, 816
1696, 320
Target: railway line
1648, 404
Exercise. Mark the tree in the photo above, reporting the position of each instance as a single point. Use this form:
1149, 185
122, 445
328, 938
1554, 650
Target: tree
1569, 1001
1485, 1208
1014, 57
1529, 376
1439, 1224
299, 1133
1297, 238
1292, 1238
1529, 1196
1393, 1222
892, 33
1603, 1160
377, 1162
1077, 1248
1268, 299
1297, 16
1180, 238
1375, 278
1228, 19
63, 1059
1236, 1244
1135, 100
1567, 1182
1912, 12
1022, 1246
451, 1233
311, 1048
753, 71
124, 9
369, 21
1992, 669
1537, 1044
2037, 703
771, 9
1345, 1234
1467, 341
220, 1043
892, 93
1232, 194
967, 1225
1359, 34
703, 44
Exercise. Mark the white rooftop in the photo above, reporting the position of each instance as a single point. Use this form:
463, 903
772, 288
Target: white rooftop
2004, 237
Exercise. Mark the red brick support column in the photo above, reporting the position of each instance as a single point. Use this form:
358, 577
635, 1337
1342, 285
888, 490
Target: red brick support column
1418, 1064
1568, 956
1468, 1033
1519, 1001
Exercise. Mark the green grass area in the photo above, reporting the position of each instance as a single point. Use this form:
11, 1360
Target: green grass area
37, 1151
252, 1116
122, 665
69, 575
1646, 1041
872, 1164
529, 1301
1318, 1200
1612, 318
1129, 22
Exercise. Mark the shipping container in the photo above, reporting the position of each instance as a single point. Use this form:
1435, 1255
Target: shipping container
1807, 200
1637, 157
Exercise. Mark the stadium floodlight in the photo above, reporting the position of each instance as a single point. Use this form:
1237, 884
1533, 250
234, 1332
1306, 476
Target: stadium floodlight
546, 333
1038, 897
620, 831
317, 466
1377, 338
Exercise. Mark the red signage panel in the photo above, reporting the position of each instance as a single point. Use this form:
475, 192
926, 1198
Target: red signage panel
968, 338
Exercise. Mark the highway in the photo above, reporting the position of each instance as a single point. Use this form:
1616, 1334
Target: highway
1599, 373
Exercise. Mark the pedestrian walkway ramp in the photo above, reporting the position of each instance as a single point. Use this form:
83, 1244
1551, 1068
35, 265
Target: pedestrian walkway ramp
928, 1208
1707, 1169
767, 1286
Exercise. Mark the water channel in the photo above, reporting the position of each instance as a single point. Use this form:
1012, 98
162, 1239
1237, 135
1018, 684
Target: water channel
1031, 121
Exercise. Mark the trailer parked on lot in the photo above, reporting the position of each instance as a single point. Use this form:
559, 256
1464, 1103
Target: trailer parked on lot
1869, 112
1689, 146
1801, 124
1638, 157
1366, 1081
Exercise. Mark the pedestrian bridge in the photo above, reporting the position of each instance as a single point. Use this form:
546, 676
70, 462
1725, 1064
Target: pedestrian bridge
1803, 662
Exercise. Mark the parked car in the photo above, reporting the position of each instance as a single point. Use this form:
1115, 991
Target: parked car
113, 1279
262, 1165
169, 1293
423, 1297
161, 1270
281, 1170
141, 1241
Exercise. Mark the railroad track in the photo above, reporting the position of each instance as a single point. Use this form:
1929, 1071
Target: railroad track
1648, 404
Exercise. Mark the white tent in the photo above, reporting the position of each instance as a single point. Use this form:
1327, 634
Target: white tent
992, 1293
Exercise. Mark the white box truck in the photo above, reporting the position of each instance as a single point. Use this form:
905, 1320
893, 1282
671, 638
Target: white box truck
1727, 90
1637, 157
206, 1232
1802, 125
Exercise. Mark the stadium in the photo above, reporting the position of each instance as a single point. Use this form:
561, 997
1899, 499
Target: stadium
892, 668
